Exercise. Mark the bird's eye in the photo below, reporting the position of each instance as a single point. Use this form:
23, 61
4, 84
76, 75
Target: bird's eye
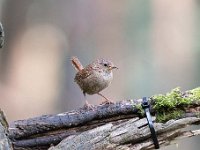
105, 65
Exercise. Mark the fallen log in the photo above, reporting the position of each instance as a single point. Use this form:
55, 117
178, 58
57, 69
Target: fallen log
110, 126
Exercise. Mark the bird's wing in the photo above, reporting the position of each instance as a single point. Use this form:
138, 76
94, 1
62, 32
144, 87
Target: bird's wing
83, 74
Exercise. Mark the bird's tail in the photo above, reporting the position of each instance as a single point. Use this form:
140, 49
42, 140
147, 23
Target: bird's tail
76, 63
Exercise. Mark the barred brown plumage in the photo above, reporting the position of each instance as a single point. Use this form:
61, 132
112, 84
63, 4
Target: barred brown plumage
94, 77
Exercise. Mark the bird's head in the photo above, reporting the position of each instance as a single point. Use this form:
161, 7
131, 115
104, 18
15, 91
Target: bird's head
106, 64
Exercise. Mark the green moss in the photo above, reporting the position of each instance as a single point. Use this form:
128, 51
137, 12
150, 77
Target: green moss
171, 105
163, 117
198, 114
140, 109
137, 106
170, 100
194, 94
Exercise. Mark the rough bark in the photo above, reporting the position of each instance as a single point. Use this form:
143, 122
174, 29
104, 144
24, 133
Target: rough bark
51, 129
132, 134
5, 143
106, 126
1, 35
98, 114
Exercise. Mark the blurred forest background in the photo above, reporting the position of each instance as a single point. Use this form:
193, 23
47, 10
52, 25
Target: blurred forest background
154, 43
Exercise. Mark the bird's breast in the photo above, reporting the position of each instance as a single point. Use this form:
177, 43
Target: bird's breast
96, 82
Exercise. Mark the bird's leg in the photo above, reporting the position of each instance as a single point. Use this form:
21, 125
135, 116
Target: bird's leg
106, 99
87, 105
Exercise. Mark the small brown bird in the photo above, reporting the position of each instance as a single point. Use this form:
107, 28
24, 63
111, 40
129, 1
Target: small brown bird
94, 77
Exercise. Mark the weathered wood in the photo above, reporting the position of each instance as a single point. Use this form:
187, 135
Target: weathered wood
132, 134
42, 132
44, 140
5, 143
54, 137
24, 128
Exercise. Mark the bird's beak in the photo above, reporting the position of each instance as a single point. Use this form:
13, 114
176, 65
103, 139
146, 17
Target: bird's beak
111, 68
115, 67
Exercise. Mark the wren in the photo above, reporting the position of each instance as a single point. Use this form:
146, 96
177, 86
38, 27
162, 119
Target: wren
95, 77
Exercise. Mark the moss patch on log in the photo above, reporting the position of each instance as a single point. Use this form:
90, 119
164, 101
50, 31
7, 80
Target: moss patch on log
194, 95
172, 105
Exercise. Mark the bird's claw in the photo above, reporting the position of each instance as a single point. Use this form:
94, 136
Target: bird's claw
88, 106
107, 102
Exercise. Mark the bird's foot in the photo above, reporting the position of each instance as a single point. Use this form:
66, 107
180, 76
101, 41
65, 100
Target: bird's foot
107, 101
88, 106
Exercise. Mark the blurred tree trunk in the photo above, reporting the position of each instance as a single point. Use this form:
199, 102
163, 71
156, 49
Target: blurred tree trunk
13, 26
31, 58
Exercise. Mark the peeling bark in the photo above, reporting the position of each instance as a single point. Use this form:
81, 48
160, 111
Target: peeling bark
132, 134
107, 126
5, 143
